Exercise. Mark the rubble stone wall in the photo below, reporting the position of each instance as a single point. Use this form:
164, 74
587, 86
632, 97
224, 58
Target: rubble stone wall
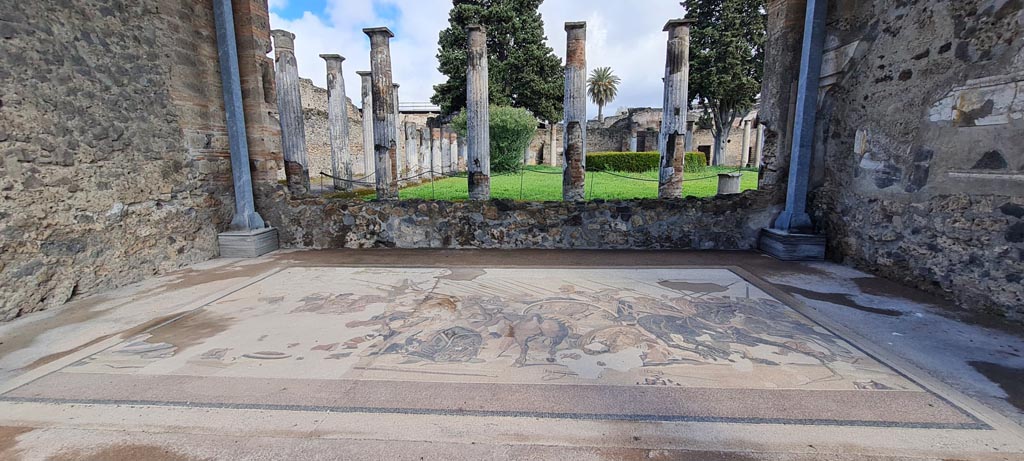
918, 169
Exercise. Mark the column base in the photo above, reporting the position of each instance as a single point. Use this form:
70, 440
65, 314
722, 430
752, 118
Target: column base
248, 244
792, 247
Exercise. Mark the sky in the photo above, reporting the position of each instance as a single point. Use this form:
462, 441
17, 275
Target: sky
620, 34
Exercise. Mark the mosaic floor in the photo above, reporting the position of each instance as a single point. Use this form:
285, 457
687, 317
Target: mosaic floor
619, 344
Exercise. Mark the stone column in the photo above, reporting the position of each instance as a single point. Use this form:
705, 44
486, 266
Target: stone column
411, 162
367, 101
384, 143
337, 118
455, 151
759, 146
446, 151
289, 107
463, 152
401, 168
632, 137
435, 150
745, 155
573, 173
688, 145
795, 219
554, 149
424, 151
478, 117
672, 140
246, 218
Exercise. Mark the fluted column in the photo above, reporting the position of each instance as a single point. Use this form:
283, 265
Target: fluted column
575, 162
745, 155
337, 120
435, 150
289, 107
573, 189
672, 141
759, 146
424, 151
554, 149
446, 151
385, 145
401, 168
478, 117
366, 78
411, 164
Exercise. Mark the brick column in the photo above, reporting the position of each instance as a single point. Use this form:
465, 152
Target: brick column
337, 119
369, 168
385, 146
289, 107
575, 161
672, 141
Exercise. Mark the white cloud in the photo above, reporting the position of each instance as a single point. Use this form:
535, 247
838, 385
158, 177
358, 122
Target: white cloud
622, 35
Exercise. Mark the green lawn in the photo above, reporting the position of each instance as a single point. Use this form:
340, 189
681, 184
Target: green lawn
541, 183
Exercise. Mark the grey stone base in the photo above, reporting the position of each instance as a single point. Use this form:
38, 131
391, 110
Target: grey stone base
792, 247
248, 244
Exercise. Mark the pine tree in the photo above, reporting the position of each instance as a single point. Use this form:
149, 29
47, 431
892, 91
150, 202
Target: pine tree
524, 71
726, 61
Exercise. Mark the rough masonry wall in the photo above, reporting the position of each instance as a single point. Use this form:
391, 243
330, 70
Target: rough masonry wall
721, 223
113, 153
918, 155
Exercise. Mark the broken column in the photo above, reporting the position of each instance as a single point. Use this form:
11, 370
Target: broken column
673, 119
411, 163
435, 150
478, 118
573, 171
337, 119
289, 107
424, 151
385, 146
367, 95
575, 162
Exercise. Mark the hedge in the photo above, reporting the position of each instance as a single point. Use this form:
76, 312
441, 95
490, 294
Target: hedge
511, 131
639, 162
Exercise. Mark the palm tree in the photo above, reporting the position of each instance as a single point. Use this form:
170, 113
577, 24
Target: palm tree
603, 86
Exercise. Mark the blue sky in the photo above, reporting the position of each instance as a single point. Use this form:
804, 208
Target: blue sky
635, 49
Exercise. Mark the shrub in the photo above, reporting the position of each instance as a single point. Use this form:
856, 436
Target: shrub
512, 129
639, 162
633, 162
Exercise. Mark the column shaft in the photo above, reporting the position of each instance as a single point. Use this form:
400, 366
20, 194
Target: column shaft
385, 146
401, 169
672, 139
369, 163
337, 119
688, 145
424, 151
745, 155
573, 172
289, 107
759, 146
435, 150
411, 165
554, 148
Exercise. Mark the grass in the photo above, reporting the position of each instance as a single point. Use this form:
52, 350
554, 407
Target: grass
543, 183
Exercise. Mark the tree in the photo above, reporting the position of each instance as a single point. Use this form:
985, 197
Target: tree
524, 71
727, 57
603, 87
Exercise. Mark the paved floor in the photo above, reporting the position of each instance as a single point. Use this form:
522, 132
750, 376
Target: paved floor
488, 354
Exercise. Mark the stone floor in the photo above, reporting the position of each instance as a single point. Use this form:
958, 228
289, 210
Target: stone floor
530, 354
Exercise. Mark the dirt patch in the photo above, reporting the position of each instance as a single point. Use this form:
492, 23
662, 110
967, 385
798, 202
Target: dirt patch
839, 299
1011, 380
189, 278
59, 355
9, 440
124, 452
192, 329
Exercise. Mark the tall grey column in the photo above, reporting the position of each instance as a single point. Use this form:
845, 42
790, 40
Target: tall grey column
385, 146
446, 150
401, 169
435, 150
633, 131
246, 218
688, 145
411, 163
795, 218
455, 151
463, 152
672, 140
554, 149
759, 146
745, 155
573, 173
478, 117
424, 153
337, 118
289, 107
367, 95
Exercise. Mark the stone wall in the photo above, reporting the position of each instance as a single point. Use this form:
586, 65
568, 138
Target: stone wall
719, 223
113, 151
918, 168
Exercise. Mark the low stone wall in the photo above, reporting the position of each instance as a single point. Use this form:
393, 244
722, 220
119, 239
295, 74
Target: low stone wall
720, 223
